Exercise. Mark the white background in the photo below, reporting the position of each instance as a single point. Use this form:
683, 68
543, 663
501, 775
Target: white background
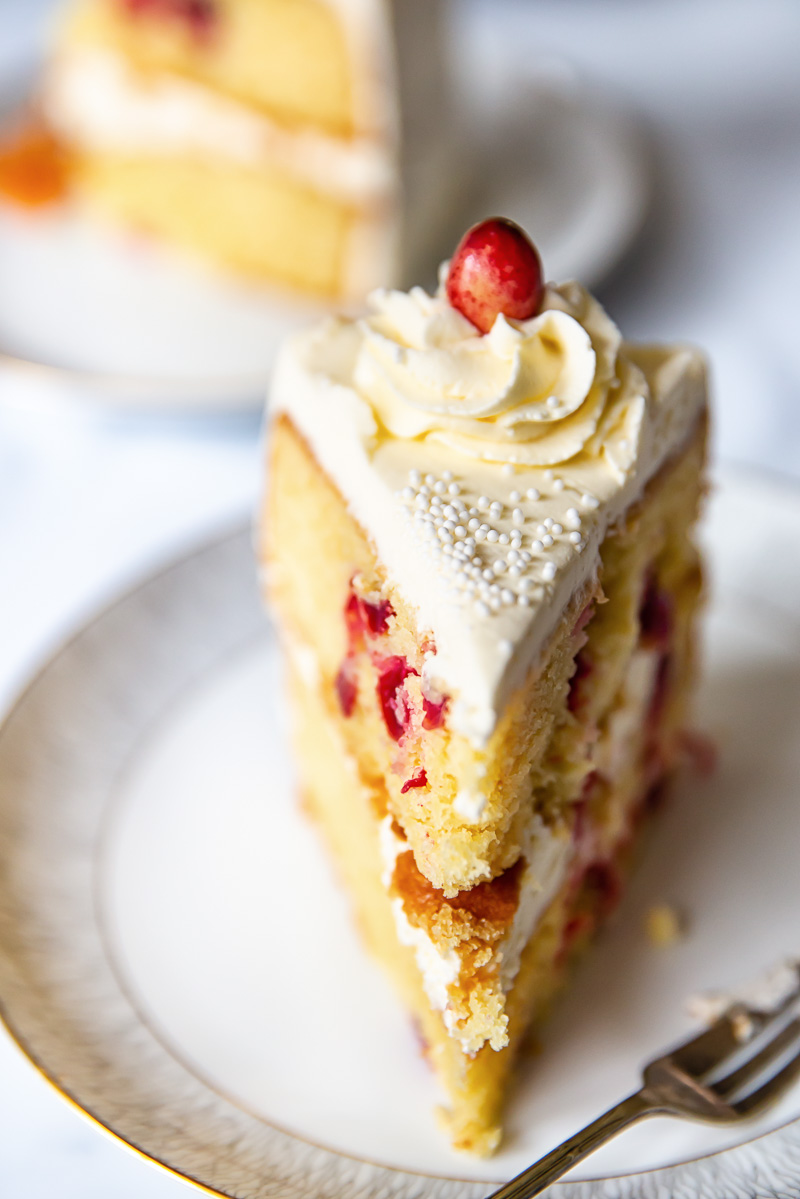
87, 504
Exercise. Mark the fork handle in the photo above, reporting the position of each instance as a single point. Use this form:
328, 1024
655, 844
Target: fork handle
538, 1176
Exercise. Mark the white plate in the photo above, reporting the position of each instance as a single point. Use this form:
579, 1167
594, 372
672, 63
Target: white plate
176, 957
101, 318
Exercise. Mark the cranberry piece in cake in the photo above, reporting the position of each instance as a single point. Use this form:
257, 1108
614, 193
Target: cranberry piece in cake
412, 784
347, 687
656, 615
394, 704
363, 616
198, 16
435, 712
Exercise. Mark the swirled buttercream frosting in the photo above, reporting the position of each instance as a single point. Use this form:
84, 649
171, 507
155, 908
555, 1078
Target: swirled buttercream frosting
531, 393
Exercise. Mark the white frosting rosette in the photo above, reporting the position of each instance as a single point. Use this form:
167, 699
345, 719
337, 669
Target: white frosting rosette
534, 393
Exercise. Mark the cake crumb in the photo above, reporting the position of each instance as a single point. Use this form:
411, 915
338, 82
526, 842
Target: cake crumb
664, 925
764, 994
743, 1027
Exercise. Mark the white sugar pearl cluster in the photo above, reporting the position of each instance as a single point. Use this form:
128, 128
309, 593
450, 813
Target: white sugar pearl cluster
478, 543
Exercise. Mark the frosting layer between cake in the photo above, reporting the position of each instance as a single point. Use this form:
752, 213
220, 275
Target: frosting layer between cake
546, 870
98, 101
486, 470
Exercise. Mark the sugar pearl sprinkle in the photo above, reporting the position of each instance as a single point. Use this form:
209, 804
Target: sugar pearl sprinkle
494, 552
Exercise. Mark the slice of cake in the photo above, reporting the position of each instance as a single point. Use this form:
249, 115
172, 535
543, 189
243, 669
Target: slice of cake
478, 541
281, 138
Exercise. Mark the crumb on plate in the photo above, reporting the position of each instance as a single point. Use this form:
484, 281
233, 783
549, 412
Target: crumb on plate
664, 925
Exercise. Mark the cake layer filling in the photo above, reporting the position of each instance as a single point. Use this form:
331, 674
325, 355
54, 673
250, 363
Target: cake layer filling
519, 906
553, 855
99, 103
487, 470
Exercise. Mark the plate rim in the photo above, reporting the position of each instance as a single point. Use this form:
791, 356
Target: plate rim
753, 476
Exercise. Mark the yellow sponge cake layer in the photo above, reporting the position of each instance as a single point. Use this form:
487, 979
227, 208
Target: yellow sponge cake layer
287, 57
260, 222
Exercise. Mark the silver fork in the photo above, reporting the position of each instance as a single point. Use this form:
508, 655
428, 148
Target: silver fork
690, 1081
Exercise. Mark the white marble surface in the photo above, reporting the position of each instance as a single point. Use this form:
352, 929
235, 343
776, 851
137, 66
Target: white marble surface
87, 504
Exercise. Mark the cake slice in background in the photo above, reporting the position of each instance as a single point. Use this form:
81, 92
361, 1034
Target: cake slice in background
284, 139
478, 542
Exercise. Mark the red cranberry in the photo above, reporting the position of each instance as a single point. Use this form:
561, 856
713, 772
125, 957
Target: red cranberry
434, 713
419, 780
354, 620
603, 879
347, 687
362, 616
393, 673
377, 616
656, 617
199, 16
495, 269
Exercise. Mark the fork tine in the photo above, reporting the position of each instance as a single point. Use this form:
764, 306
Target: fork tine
677, 1084
771, 1090
712, 1046
728, 1086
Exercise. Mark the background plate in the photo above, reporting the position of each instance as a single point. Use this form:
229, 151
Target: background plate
176, 958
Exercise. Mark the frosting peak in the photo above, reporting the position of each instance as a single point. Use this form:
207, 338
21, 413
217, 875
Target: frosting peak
532, 393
